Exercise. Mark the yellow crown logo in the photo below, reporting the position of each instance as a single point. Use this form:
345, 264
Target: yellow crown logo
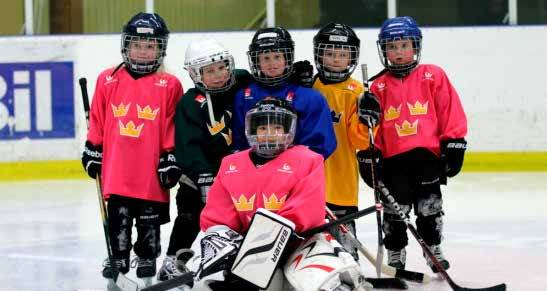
130, 129
242, 204
392, 113
120, 110
228, 137
219, 126
407, 128
418, 108
147, 112
273, 203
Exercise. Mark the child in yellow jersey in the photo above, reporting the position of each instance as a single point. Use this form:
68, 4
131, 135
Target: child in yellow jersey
336, 53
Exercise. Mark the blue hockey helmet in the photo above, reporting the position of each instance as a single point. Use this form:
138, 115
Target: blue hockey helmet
400, 28
151, 29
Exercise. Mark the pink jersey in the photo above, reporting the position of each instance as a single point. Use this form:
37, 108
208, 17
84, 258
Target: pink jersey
133, 120
418, 111
291, 185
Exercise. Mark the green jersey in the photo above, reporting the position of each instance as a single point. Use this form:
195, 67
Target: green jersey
201, 143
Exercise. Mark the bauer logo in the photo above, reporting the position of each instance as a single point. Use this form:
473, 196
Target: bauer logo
36, 100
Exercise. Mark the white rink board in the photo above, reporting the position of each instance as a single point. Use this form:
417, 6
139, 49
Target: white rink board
498, 72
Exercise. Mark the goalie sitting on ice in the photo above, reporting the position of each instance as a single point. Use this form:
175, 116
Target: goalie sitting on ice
265, 194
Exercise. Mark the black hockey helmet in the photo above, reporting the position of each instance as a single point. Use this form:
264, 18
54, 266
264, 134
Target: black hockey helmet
270, 111
271, 39
339, 36
148, 27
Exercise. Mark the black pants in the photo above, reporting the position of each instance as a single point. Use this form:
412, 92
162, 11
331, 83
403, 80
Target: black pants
186, 225
149, 216
413, 178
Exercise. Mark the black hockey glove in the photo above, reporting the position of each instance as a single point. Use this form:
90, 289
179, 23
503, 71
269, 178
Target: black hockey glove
452, 152
302, 74
204, 182
92, 159
365, 158
368, 109
169, 170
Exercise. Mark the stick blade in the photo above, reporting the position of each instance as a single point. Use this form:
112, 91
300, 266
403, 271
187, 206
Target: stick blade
124, 283
499, 287
387, 283
412, 276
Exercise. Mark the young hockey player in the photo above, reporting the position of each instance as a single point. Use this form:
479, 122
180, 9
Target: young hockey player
270, 59
288, 182
130, 143
202, 138
420, 137
336, 53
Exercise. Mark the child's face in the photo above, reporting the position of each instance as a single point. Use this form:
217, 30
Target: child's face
272, 64
215, 75
271, 133
400, 52
337, 59
143, 50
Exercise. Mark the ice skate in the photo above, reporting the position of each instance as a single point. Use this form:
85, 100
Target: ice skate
436, 250
397, 259
122, 265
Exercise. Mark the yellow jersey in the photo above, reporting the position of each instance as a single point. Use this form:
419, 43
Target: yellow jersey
341, 169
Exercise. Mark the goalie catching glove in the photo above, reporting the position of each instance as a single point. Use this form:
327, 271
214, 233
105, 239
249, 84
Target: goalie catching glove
92, 159
218, 250
169, 170
452, 152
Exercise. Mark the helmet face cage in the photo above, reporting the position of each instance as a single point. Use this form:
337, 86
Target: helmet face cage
319, 52
143, 65
195, 69
145, 31
335, 36
266, 40
270, 144
396, 29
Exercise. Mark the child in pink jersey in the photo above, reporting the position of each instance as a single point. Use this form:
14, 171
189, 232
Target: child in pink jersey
420, 137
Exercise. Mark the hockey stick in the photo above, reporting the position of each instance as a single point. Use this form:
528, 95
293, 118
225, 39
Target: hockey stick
184, 279
386, 270
120, 279
344, 219
384, 191
382, 283
377, 202
187, 277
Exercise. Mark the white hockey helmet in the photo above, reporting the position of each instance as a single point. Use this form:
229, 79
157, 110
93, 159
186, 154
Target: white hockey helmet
202, 53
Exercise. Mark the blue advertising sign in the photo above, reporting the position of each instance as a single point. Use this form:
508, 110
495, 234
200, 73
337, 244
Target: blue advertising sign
36, 100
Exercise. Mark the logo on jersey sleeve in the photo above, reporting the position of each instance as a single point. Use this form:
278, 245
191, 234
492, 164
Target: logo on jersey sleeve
381, 86
351, 86
110, 80
200, 99
428, 76
336, 116
161, 83
247, 94
244, 204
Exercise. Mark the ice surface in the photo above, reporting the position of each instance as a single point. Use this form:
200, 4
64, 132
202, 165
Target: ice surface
51, 236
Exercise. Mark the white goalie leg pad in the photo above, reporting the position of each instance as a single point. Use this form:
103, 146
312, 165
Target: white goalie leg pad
320, 263
262, 247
